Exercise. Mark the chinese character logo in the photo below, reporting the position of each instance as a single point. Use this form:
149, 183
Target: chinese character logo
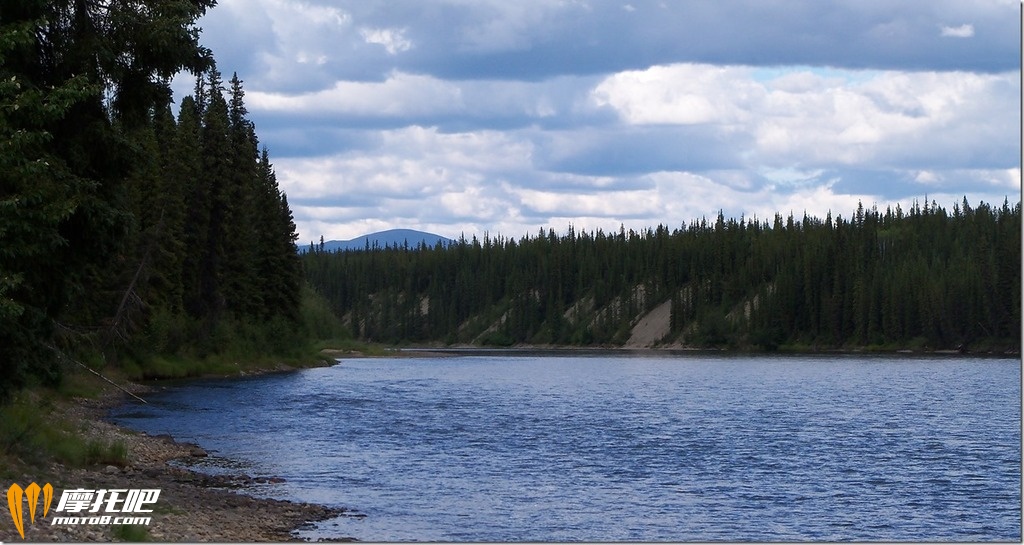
15, 495
85, 505
82, 499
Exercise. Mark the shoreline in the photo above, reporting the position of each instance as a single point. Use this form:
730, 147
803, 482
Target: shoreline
192, 506
409, 351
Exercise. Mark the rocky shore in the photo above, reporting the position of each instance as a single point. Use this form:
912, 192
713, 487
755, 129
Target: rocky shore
192, 507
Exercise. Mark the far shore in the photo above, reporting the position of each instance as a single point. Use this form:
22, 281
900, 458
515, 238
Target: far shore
440, 351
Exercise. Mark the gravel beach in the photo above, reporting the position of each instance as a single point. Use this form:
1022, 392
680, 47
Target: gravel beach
192, 507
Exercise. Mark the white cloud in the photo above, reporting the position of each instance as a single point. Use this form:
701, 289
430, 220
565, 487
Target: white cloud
691, 196
992, 181
803, 118
419, 98
608, 204
304, 31
962, 31
926, 177
393, 40
399, 95
677, 94
478, 203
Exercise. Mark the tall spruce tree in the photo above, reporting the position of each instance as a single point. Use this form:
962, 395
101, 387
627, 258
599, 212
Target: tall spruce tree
216, 160
186, 170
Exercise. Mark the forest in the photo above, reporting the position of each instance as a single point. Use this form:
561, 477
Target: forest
128, 232
924, 278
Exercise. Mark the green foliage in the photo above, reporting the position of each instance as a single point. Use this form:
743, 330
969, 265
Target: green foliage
496, 338
923, 279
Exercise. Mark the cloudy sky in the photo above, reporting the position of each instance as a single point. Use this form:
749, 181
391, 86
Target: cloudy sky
473, 116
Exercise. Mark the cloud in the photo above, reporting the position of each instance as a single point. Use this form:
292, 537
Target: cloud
616, 151
417, 99
804, 118
545, 204
309, 44
680, 94
399, 95
408, 163
962, 31
394, 41
693, 117
795, 139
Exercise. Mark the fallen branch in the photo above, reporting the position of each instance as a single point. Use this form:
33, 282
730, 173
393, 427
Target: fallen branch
64, 356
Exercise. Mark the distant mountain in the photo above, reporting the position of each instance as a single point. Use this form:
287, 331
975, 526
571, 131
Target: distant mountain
391, 237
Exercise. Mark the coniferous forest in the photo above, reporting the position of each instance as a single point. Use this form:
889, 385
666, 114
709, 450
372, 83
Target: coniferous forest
924, 278
128, 231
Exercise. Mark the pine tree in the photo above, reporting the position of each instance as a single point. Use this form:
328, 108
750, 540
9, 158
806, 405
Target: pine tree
240, 225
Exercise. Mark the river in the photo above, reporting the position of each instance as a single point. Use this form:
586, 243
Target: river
616, 446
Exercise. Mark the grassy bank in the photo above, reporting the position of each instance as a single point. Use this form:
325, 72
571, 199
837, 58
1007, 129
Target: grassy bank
33, 436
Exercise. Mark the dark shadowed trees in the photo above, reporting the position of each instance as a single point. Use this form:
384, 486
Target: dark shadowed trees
123, 230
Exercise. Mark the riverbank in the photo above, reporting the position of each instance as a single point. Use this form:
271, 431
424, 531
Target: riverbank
191, 507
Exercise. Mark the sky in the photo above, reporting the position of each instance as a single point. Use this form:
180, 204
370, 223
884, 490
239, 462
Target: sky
466, 117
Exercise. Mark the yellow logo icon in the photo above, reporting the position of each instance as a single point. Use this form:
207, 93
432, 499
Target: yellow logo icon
15, 494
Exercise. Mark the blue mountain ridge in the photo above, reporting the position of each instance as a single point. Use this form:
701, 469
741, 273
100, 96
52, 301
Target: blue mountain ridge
391, 237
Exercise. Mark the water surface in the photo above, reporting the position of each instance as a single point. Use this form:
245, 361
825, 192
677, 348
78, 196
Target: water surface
616, 447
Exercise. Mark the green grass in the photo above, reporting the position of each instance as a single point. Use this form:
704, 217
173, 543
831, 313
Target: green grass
349, 345
29, 432
130, 532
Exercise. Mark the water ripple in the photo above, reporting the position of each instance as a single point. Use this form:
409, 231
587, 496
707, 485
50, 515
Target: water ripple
511, 448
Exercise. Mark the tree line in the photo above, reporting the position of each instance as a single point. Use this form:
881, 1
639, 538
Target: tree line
923, 278
126, 231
